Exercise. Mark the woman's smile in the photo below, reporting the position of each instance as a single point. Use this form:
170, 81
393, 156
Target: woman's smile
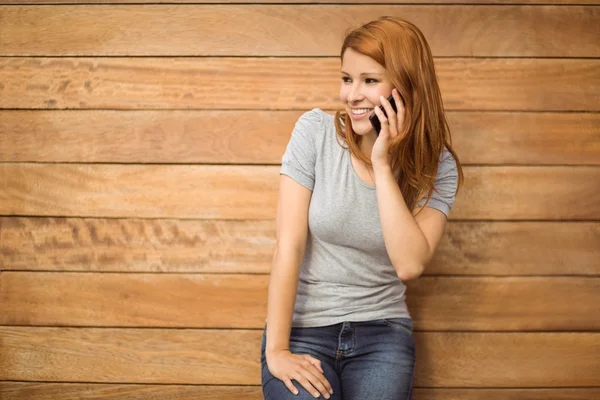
360, 113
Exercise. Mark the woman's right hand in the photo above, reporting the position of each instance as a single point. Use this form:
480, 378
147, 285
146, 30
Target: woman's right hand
302, 368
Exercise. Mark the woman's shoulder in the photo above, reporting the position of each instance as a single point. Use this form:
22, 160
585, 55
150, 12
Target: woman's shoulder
315, 117
446, 157
315, 124
447, 166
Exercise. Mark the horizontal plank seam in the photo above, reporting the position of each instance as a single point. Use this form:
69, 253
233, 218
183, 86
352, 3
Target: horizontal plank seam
278, 56
257, 220
129, 383
287, 57
286, 110
505, 111
200, 164
454, 276
465, 221
246, 386
310, 3
179, 328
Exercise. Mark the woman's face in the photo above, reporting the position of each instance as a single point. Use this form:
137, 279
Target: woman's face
363, 81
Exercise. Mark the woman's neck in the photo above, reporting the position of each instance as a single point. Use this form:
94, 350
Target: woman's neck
366, 144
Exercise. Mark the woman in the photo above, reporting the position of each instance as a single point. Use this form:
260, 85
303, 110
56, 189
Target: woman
359, 213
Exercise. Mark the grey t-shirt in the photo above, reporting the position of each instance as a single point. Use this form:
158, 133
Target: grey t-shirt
346, 274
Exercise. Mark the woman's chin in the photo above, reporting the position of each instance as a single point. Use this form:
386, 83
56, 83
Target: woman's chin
362, 128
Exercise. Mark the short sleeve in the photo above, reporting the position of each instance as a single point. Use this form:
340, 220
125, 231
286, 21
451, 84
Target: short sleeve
446, 184
298, 161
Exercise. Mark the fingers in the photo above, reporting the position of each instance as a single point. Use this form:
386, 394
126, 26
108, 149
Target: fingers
312, 384
290, 386
315, 362
385, 130
391, 116
317, 371
401, 110
395, 120
304, 369
310, 376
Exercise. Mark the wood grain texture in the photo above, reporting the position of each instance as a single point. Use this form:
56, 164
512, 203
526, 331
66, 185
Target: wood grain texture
526, 138
507, 394
260, 137
292, 30
507, 303
521, 248
187, 191
82, 391
134, 245
291, 83
499, 360
240, 301
544, 2
133, 300
250, 192
66, 391
243, 137
138, 245
219, 357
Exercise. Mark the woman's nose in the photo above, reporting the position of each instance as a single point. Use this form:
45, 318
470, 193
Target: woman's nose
355, 95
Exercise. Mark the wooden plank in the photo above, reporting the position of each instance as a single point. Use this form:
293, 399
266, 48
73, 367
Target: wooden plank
212, 192
83, 391
292, 30
134, 245
220, 357
512, 191
507, 303
143, 300
526, 138
544, 2
250, 192
536, 357
244, 137
224, 357
260, 137
292, 83
240, 301
507, 394
137, 245
69, 391
548, 248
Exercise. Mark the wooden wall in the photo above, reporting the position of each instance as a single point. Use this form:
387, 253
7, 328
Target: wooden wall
139, 149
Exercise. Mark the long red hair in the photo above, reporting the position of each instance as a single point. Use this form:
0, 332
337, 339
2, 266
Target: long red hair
402, 50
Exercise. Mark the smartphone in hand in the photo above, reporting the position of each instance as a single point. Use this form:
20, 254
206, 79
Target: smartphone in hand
375, 120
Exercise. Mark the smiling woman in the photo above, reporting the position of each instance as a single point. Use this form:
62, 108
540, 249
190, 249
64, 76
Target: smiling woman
358, 214
377, 58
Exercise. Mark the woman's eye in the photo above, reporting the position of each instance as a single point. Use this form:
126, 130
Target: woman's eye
346, 79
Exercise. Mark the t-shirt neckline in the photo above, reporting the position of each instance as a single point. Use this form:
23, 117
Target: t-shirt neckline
348, 155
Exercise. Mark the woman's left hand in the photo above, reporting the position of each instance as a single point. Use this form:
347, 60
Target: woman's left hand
390, 128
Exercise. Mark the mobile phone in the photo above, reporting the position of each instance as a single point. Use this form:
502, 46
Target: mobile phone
375, 120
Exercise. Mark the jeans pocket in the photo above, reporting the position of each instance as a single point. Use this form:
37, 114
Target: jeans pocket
405, 324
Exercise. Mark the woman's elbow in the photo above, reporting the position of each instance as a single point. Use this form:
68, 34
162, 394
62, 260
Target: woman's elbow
410, 273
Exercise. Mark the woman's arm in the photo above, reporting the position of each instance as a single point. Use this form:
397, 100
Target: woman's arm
292, 232
410, 241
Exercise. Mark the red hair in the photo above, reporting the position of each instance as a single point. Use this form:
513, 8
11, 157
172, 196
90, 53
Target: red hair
402, 50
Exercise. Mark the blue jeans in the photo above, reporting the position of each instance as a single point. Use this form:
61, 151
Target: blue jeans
371, 360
